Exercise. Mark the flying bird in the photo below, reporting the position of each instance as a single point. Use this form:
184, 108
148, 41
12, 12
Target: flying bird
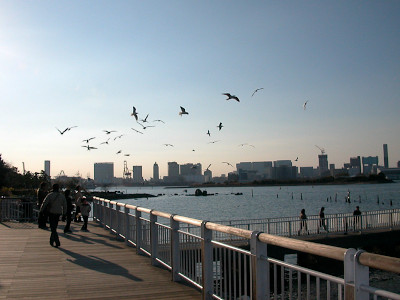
231, 97
137, 130
208, 132
297, 158
220, 126
118, 137
65, 130
245, 144
134, 113
87, 141
159, 121
170, 145
213, 142
106, 142
145, 119
119, 152
183, 112
225, 162
256, 91
305, 105
144, 127
127, 155
109, 131
89, 147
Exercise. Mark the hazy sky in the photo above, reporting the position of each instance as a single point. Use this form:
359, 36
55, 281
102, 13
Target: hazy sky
86, 63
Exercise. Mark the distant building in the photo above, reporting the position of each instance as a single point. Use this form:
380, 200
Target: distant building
251, 171
398, 164
370, 164
323, 164
104, 173
47, 167
307, 172
156, 172
137, 174
207, 175
385, 156
355, 162
173, 169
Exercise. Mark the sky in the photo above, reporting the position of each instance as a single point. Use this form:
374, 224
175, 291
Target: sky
87, 63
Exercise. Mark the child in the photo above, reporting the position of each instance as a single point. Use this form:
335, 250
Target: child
85, 210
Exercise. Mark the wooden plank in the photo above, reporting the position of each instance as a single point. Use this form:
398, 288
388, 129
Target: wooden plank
88, 265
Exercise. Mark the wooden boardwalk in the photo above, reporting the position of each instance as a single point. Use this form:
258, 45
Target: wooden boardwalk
88, 265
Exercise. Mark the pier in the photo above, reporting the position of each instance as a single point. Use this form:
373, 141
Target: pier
205, 256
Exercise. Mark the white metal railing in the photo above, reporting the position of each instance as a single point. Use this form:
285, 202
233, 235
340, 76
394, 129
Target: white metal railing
15, 209
223, 271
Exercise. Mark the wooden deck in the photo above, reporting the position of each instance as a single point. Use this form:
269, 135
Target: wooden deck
88, 265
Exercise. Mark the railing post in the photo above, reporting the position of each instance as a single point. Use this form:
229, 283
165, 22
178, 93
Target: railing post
290, 228
138, 216
105, 208
260, 267
349, 274
153, 238
391, 220
110, 211
361, 277
127, 226
207, 261
175, 252
118, 227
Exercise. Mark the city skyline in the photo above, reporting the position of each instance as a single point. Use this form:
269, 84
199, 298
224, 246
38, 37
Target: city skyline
306, 74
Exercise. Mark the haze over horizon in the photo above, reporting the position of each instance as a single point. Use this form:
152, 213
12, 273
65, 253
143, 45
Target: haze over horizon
86, 64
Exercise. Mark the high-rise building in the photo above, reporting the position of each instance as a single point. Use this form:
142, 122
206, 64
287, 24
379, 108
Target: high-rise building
47, 167
173, 169
369, 164
137, 174
385, 156
156, 172
323, 164
104, 172
207, 175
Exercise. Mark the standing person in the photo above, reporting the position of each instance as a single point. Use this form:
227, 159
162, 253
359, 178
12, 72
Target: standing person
56, 205
70, 208
357, 217
303, 221
85, 210
41, 194
322, 221
78, 199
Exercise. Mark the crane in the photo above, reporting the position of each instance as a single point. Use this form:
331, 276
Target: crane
322, 149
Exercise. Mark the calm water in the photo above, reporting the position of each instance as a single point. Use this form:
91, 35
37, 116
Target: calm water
265, 202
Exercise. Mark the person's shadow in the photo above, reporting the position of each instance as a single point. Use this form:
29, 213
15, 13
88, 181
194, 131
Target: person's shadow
98, 264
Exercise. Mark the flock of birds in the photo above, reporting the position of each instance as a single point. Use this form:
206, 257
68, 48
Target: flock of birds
144, 124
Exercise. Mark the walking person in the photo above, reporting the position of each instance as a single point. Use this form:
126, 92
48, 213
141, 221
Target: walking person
41, 193
70, 208
322, 220
85, 210
55, 205
303, 222
78, 199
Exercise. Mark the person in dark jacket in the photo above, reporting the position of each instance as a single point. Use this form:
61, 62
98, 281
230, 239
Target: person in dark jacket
70, 208
55, 205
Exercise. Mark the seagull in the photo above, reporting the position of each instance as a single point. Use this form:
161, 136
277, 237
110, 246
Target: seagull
208, 132
65, 130
256, 91
159, 121
106, 142
245, 144
168, 145
213, 142
118, 137
87, 141
144, 127
225, 162
297, 158
183, 112
137, 130
220, 126
304, 105
231, 97
126, 154
89, 148
145, 119
134, 113
109, 131
119, 152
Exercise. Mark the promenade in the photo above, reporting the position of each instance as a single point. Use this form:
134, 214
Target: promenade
88, 265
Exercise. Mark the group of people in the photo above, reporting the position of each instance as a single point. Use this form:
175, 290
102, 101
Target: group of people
56, 204
322, 220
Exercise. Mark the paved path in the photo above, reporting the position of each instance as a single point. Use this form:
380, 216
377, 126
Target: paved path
88, 265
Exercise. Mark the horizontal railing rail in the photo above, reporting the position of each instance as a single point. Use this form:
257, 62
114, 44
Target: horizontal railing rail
198, 252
